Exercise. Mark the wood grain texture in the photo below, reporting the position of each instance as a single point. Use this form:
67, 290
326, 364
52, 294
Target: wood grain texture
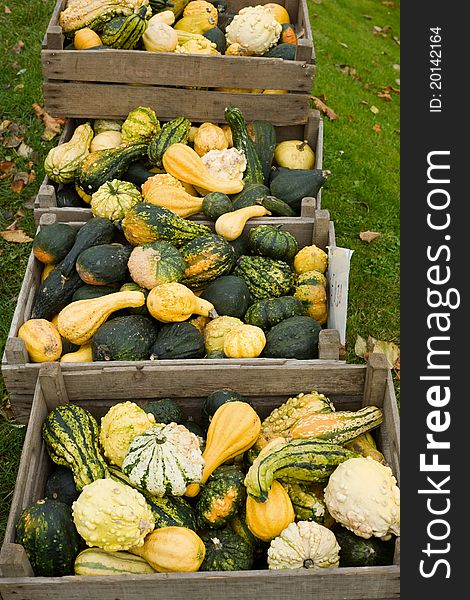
321, 228
376, 380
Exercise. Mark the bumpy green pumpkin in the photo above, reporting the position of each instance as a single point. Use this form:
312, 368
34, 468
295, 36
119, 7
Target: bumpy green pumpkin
215, 205
271, 311
207, 257
140, 125
273, 242
265, 277
178, 340
124, 338
114, 199
165, 410
226, 551
220, 498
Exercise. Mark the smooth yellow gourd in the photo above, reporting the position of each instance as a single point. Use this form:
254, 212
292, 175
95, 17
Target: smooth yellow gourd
79, 321
230, 225
234, 428
172, 197
42, 340
172, 550
209, 137
166, 16
294, 154
185, 164
246, 341
174, 302
278, 11
196, 23
267, 519
159, 36
83, 354
47, 270
86, 38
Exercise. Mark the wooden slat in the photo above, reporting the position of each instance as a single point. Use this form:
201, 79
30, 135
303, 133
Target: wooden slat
95, 100
376, 380
321, 228
168, 68
328, 344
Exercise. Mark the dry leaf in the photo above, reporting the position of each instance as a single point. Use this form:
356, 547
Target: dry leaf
12, 226
17, 236
368, 17
396, 40
19, 86
24, 150
389, 4
396, 67
19, 213
344, 45
18, 47
385, 96
6, 10
12, 141
6, 168
360, 347
52, 125
368, 236
364, 102
18, 186
347, 70
363, 348
377, 127
322, 107
374, 109
31, 176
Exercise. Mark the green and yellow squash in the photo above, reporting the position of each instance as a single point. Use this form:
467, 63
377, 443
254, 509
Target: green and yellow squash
207, 257
220, 498
175, 131
125, 32
97, 562
265, 277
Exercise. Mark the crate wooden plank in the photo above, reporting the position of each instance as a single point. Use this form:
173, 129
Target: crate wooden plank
139, 67
100, 100
372, 583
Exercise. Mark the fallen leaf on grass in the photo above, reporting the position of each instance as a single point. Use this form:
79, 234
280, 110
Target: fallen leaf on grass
322, 107
52, 125
363, 102
396, 40
344, 45
368, 17
19, 86
374, 109
389, 4
20, 181
18, 47
6, 10
385, 96
368, 236
396, 66
17, 236
6, 169
24, 150
363, 348
377, 127
12, 141
347, 70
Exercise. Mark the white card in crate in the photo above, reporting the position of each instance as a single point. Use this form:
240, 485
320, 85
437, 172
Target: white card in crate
338, 282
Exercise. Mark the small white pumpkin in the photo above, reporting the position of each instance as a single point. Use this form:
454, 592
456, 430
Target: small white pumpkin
255, 29
106, 140
159, 36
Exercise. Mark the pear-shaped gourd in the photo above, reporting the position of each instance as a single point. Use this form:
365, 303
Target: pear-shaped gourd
185, 164
234, 428
268, 519
41, 339
79, 321
83, 354
62, 161
230, 225
174, 302
174, 198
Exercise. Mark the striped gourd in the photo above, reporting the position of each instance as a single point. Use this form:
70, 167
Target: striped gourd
242, 141
164, 459
169, 511
265, 277
147, 222
273, 242
97, 562
207, 257
173, 132
338, 427
125, 32
301, 459
70, 433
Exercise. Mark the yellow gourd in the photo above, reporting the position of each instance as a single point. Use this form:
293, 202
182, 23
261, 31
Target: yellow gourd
247, 341
172, 197
279, 12
294, 154
236, 49
159, 36
217, 329
47, 271
197, 7
228, 135
308, 276
240, 90
196, 23
79, 321
185, 164
174, 302
86, 38
209, 137
42, 340
312, 295
234, 428
172, 550
275, 92
310, 258
267, 519
83, 354
166, 16
230, 225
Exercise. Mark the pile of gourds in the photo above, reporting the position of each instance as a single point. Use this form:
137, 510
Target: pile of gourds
151, 490
196, 27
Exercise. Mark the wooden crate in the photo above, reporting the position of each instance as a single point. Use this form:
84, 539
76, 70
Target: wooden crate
348, 386
20, 375
95, 83
312, 131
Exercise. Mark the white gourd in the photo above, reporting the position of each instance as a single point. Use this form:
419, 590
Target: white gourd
164, 460
255, 29
304, 545
362, 494
159, 36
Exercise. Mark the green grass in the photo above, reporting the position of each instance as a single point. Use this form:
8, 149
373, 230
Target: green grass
362, 193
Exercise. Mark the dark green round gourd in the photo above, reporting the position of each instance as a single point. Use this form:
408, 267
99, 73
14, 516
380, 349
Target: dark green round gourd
165, 410
104, 264
194, 428
285, 51
207, 257
359, 552
226, 551
265, 277
229, 295
271, 311
296, 337
133, 287
252, 193
47, 533
124, 338
216, 204
215, 401
217, 36
53, 242
240, 246
178, 340
67, 197
86, 292
273, 242
60, 485
291, 185
239, 526
220, 498
137, 173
